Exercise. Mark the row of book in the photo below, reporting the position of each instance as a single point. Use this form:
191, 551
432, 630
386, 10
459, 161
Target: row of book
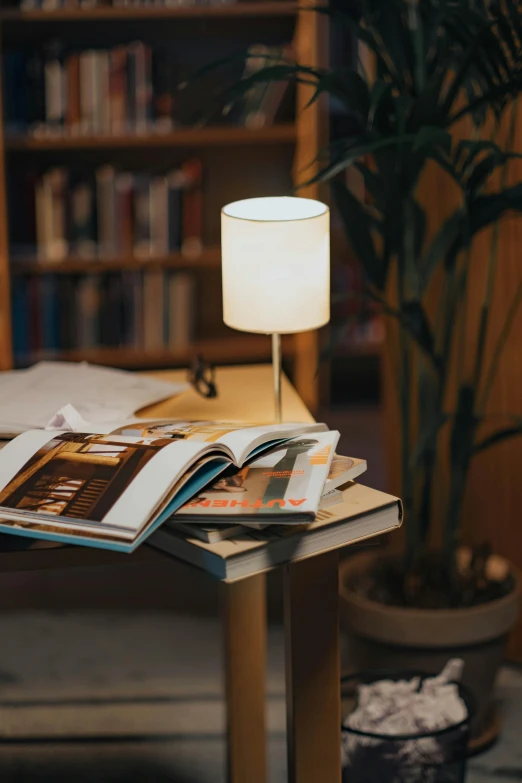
145, 311
54, 5
131, 88
116, 213
96, 91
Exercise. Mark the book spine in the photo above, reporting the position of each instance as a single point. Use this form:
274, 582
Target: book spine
159, 238
175, 182
29, 5
20, 319
118, 89
15, 109
35, 82
41, 209
54, 94
87, 90
164, 80
50, 5
260, 56
91, 307
127, 302
131, 87
49, 307
83, 226
275, 92
142, 218
103, 118
142, 85
181, 305
138, 311
67, 299
72, 71
153, 310
58, 247
124, 210
34, 310
192, 209
105, 197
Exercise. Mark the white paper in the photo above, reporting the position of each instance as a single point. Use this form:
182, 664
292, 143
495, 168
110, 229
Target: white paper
31, 398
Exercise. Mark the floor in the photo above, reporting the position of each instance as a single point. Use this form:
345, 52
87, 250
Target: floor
127, 697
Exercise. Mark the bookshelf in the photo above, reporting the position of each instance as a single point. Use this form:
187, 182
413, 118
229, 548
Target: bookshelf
243, 9
242, 162
200, 137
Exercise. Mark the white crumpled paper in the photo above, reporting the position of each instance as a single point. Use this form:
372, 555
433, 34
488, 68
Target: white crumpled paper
406, 708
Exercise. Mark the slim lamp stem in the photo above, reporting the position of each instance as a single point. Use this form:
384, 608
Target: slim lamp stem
276, 364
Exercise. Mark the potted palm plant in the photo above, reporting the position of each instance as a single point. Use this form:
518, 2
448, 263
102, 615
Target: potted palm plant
446, 75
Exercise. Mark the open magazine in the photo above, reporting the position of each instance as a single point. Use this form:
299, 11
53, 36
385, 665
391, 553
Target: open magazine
112, 489
201, 522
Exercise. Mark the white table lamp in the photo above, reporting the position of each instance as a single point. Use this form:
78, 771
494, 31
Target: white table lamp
275, 256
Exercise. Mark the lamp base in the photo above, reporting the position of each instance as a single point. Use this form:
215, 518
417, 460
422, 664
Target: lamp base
277, 369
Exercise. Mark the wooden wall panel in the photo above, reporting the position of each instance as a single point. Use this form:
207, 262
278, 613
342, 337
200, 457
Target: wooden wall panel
493, 505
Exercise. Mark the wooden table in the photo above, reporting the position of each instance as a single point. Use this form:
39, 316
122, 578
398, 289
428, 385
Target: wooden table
311, 609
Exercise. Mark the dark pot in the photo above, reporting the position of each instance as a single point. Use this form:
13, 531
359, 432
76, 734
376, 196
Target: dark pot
384, 637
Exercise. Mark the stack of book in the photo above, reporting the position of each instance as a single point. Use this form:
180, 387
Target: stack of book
129, 89
144, 311
115, 214
231, 498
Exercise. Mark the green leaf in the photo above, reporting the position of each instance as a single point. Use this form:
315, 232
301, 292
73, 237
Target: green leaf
487, 209
443, 243
380, 92
429, 136
427, 438
515, 23
419, 221
463, 430
467, 150
414, 319
358, 228
498, 437
353, 152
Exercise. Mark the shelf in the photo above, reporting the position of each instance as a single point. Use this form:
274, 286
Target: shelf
210, 258
186, 137
241, 10
225, 350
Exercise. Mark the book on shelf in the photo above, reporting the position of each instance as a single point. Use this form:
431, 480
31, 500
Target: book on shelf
363, 513
244, 485
260, 105
113, 214
132, 88
112, 487
152, 310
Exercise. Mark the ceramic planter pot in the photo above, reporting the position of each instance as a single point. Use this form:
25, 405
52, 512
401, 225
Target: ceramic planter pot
385, 637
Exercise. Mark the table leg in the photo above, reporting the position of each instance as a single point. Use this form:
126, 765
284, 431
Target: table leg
313, 670
244, 619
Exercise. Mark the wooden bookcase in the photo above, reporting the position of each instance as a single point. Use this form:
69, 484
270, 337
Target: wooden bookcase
246, 162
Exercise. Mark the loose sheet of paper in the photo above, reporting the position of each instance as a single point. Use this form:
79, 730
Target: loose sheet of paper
30, 398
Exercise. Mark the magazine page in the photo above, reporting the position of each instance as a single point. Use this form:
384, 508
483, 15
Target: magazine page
87, 479
287, 480
203, 472
241, 440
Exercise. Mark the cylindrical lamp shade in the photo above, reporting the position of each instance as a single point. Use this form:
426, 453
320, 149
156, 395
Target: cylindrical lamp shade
276, 264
